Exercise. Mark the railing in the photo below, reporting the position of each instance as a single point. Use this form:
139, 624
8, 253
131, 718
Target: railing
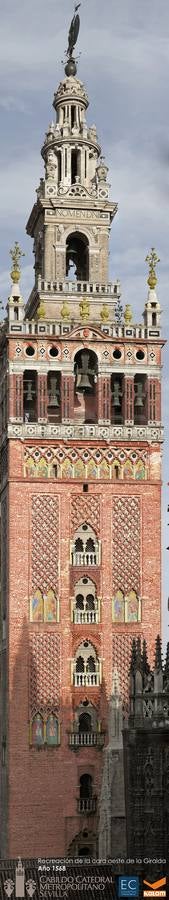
87, 617
86, 679
112, 288
87, 805
85, 559
86, 739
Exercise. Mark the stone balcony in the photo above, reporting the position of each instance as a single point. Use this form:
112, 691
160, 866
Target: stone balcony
87, 805
85, 617
86, 679
86, 739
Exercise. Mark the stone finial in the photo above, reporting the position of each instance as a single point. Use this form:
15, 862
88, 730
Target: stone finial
158, 663
152, 259
41, 311
166, 667
128, 315
145, 663
16, 254
104, 313
84, 307
65, 310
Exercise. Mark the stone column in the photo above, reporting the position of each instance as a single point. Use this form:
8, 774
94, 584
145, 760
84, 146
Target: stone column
67, 398
42, 398
49, 253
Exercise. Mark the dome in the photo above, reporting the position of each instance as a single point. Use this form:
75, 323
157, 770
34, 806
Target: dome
70, 88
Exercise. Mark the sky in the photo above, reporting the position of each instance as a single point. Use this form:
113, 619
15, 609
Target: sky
124, 62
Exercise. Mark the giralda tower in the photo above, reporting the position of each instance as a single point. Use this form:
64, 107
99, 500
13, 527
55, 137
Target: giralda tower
80, 495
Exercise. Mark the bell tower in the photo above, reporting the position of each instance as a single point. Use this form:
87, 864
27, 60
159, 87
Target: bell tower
80, 496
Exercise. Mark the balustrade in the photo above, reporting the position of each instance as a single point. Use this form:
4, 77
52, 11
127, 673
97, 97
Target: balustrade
86, 679
87, 804
85, 559
86, 739
85, 617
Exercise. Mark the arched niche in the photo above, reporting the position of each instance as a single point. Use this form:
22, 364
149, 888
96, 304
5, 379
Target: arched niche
77, 256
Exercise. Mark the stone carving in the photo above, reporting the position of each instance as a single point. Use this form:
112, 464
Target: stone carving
51, 165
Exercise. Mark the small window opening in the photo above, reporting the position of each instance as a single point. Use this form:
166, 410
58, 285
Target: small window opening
116, 469
16, 313
85, 488
154, 319
74, 166
65, 163
59, 167
73, 116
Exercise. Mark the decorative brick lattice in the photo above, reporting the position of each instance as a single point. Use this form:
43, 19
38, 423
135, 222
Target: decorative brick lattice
122, 645
44, 673
126, 544
45, 542
85, 510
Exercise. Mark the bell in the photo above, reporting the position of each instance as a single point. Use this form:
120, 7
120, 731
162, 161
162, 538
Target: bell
139, 395
117, 394
83, 381
29, 391
53, 393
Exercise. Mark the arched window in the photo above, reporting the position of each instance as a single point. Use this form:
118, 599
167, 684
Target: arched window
79, 601
117, 395
140, 399
85, 549
86, 666
86, 786
87, 803
85, 388
80, 664
85, 723
85, 605
30, 396
77, 255
54, 396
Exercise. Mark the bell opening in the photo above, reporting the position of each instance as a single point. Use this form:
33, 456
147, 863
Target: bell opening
77, 257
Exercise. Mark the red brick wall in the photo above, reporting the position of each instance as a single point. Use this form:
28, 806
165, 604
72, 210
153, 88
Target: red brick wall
43, 784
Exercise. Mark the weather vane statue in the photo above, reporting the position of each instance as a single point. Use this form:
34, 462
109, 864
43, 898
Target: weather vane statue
70, 68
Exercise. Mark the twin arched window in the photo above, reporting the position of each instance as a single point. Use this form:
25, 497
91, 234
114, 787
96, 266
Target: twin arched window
85, 549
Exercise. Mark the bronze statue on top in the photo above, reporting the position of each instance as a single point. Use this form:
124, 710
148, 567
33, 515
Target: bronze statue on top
70, 68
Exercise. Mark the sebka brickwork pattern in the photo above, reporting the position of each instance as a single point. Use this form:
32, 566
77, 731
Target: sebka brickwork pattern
44, 673
85, 510
126, 544
45, 542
